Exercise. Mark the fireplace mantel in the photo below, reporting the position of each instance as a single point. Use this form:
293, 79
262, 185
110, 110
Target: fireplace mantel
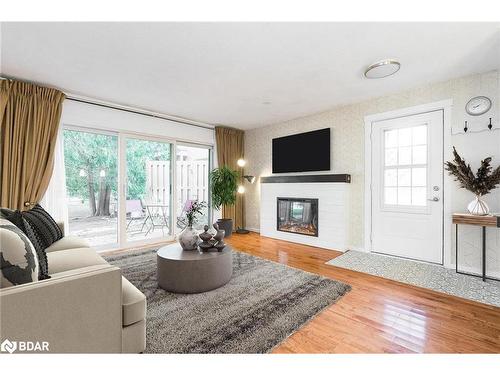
345, 178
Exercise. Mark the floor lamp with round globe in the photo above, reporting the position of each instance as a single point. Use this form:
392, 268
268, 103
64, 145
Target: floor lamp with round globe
241, 190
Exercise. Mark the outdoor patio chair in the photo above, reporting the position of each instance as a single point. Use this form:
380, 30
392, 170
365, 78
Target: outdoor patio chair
182, 219
134, 211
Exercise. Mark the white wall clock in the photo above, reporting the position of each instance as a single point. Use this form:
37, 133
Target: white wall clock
478, 105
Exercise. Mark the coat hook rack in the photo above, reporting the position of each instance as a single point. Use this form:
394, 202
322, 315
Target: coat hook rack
465, 127
489, 125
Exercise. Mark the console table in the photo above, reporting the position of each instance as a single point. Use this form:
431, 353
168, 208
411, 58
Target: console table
482, 221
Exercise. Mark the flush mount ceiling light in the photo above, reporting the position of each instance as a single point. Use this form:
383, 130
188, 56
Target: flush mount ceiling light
382, 69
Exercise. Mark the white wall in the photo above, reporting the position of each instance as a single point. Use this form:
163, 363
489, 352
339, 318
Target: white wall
96, 117
347, 124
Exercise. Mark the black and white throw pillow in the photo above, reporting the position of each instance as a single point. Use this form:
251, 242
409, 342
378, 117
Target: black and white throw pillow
40, 228
18, 259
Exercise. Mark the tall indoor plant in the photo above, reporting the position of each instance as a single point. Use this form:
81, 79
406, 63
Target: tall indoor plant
224, 184
480, 184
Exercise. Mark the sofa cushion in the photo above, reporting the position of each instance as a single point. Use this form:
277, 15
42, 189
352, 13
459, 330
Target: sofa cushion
133, 303
65, 260
68, 242
17, 218
18, 259
134, 338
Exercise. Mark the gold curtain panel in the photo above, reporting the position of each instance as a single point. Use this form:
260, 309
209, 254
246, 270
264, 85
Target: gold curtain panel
29, 120
230, 148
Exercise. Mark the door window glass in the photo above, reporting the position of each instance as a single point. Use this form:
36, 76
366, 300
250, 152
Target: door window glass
405, 166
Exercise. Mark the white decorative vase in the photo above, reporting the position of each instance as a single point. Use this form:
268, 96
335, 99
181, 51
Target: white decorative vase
188, 239
478, 207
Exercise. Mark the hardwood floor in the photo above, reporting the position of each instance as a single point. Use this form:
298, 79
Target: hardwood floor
379, 315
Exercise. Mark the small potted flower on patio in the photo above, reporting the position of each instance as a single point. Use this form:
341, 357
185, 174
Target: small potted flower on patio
188, 239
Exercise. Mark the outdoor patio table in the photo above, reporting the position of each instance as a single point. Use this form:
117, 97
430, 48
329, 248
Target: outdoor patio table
156, 210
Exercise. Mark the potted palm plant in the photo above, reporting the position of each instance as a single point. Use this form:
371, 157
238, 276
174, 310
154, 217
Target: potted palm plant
480, 184
224, 184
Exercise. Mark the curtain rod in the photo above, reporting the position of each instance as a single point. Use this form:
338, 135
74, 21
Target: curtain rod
123, 108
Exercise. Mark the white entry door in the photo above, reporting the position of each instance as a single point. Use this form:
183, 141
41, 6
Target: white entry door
406, 189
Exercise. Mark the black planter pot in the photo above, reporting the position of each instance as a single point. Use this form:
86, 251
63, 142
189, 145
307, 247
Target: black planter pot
227, 225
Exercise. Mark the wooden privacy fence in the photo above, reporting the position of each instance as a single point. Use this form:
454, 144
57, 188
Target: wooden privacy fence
157, 182
192, 181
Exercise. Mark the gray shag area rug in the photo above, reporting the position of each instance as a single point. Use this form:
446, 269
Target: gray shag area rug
421, 274
263, 304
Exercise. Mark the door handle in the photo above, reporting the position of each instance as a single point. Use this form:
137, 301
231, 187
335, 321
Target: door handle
435, 199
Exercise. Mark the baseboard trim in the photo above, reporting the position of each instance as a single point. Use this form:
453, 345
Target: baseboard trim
356, 248
253, 230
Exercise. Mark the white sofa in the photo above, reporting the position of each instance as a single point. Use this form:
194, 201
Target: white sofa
86, 306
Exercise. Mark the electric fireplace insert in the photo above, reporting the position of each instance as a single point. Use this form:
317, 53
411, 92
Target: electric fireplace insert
298, 215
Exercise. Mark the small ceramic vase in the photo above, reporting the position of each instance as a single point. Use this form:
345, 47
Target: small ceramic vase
478, 207
188, 239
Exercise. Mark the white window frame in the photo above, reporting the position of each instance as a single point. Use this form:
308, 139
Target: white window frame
122, 242
210, 167
400, 207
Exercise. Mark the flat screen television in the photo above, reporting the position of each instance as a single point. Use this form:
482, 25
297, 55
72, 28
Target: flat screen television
304, 152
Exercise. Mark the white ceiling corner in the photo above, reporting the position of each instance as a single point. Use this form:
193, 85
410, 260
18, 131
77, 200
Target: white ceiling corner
225, 73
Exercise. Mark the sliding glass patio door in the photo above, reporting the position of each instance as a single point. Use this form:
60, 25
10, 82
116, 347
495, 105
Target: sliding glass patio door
125, 189
148, 190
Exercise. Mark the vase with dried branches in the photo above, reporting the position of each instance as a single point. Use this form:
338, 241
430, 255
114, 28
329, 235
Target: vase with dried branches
485, 180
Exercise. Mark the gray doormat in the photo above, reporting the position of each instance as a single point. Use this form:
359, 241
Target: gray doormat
264, 303
420, 274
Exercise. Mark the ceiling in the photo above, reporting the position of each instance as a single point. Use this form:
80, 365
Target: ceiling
241, 74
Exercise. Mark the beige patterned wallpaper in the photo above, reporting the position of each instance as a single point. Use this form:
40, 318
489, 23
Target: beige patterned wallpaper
347, 123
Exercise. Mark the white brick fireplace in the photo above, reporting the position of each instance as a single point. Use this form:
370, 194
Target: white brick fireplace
333, 215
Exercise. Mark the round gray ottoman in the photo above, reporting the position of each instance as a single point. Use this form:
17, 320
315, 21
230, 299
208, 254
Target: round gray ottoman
182, 271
